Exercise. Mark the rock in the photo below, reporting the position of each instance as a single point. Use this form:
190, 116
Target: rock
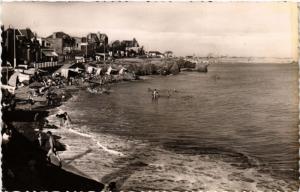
201, 68
174, 69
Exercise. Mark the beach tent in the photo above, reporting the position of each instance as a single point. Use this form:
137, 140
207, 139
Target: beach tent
65, 70
77, 69
90, 69
31, 71
13, 79
110, 70
10, 89
122, 70
98, 72
65, 73
22, 77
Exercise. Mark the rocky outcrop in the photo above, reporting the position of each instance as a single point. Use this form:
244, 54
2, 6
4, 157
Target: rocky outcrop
201, 68
24, 167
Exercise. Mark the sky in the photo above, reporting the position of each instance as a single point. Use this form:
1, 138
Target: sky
241, 29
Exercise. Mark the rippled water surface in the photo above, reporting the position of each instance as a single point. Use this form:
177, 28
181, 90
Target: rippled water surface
243, 114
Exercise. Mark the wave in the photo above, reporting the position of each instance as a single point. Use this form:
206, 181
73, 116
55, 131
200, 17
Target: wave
109, 150
179, 168
80, 133
89, 135
240, 158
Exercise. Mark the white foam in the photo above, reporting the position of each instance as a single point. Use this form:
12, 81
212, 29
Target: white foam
113, 152
80, 133
109, 150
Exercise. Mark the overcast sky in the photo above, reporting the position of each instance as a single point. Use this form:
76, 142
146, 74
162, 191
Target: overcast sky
233, 29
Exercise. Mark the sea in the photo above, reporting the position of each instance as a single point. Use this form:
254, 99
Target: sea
232, 128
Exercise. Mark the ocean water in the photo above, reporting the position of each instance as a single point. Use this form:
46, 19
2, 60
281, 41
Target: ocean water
234, 127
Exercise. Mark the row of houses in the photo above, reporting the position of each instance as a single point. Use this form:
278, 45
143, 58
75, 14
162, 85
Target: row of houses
22, 46
65, 44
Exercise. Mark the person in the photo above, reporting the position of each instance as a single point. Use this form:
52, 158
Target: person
40, 138
63, 97
37, 120
46, 123
5, 105
61, 118
67, 119
30, 101
6, 137
64, 118
36, 117
155, 94
49, 99
111, 187
52, 151
13, 103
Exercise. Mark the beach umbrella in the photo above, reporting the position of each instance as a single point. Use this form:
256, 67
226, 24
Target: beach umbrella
36, 85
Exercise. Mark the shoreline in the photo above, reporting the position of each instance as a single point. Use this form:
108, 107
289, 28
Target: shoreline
111, 171
25, 129
81, 148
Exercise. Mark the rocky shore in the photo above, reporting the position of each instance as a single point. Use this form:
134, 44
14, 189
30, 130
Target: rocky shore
24, 167
24, 162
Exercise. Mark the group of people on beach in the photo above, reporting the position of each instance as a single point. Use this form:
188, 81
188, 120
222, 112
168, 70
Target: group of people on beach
156, 95
64, 119
47, 140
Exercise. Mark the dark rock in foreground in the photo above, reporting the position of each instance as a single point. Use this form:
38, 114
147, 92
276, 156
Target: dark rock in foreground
24, 167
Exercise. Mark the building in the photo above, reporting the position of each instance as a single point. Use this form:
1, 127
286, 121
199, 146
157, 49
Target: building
20, 46
44, 43
48, 55
103, 38
78, 41
155, 54
61, 42
131, 47
129, 44
87, 49
93, 41
103, 43
168, 54
125, 48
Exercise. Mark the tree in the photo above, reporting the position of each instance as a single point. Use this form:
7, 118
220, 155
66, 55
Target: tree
141, 51
168, 53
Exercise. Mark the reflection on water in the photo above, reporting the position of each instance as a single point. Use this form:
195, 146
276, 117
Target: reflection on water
247, 116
